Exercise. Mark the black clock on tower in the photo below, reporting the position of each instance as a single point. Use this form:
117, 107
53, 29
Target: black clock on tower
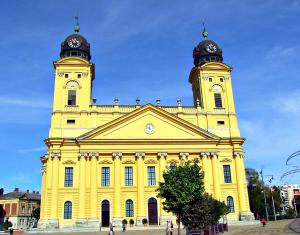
74, 43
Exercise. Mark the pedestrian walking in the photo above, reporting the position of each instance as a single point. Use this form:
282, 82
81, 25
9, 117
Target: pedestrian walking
111, 229
263, 221
168, 228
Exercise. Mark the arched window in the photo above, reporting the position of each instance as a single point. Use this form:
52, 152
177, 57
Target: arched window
68, 210
72, 84
216, 88
230, 203
129, 208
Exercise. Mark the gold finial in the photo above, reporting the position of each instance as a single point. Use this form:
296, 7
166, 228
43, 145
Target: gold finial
76, 28
204, 33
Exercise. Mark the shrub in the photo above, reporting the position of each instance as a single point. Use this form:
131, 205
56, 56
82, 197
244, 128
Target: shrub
124, 221
131, 221
145, 221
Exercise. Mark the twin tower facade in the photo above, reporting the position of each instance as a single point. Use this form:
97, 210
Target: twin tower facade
104, 162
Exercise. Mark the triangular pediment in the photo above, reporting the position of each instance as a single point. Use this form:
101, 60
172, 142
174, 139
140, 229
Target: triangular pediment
163, 126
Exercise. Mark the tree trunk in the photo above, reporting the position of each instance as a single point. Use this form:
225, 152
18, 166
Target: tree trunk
178, 219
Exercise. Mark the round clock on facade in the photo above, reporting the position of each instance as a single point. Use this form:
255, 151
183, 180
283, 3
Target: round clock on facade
149, 128
211, 48
74, 43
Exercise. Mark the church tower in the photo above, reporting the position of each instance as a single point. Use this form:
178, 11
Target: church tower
212, 88
74, 74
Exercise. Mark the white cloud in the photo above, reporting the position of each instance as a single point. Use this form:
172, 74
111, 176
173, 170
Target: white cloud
288, 102
280, 52
30, 150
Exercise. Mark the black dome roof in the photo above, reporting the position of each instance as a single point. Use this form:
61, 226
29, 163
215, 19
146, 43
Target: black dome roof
75, 45
207, 51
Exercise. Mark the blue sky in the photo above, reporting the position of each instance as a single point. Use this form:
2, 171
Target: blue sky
144, 48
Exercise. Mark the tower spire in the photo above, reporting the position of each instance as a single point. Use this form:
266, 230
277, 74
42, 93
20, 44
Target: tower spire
76, 27
204, 33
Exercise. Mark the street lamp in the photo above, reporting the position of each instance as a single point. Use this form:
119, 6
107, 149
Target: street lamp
263, 185
265, 200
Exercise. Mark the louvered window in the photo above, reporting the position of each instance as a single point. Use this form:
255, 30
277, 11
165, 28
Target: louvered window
218, 100
71, 97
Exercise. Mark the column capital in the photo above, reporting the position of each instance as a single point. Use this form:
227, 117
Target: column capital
238, 154
55, 155
214, 154
162, 155
116, 155
183, 155
140, 155
204, 154
43, 170
88, 154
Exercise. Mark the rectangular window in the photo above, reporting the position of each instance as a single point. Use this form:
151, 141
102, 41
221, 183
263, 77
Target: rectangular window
71, 97
78, 75
70, 121
221, 79
105, 177
151, 175
220, 122
128, 176
66, 75
210, 79
69, 177
218, 100
227, 173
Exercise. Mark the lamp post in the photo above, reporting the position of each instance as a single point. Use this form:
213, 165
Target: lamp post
263, 185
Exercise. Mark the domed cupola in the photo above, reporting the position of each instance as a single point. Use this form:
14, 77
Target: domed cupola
207, 51
75, 45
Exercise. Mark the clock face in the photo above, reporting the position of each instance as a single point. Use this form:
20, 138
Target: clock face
74, 43
211, 48
149, 128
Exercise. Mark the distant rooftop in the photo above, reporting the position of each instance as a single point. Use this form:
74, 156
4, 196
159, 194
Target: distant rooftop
16, 194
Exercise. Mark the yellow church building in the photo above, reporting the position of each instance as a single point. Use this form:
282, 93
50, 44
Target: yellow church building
104, 162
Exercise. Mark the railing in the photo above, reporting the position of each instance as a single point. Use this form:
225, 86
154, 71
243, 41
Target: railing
71, 108
219, 110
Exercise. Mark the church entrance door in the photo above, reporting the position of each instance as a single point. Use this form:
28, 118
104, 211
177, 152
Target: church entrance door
152, 211
105, 213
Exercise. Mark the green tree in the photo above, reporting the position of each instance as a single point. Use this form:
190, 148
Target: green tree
204, 212
255, 192
297, 200
36, 214
183, 186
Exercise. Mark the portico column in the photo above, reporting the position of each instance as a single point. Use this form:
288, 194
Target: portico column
81, 218
117, 217
215, 166
54, 189
239, 180
93, 190
140, 189
42, 223
205, 156
43, 193
164, 217
244, 209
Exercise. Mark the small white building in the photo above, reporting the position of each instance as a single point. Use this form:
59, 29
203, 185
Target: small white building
287, 193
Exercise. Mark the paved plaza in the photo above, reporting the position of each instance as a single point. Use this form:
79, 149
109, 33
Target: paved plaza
272, 228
